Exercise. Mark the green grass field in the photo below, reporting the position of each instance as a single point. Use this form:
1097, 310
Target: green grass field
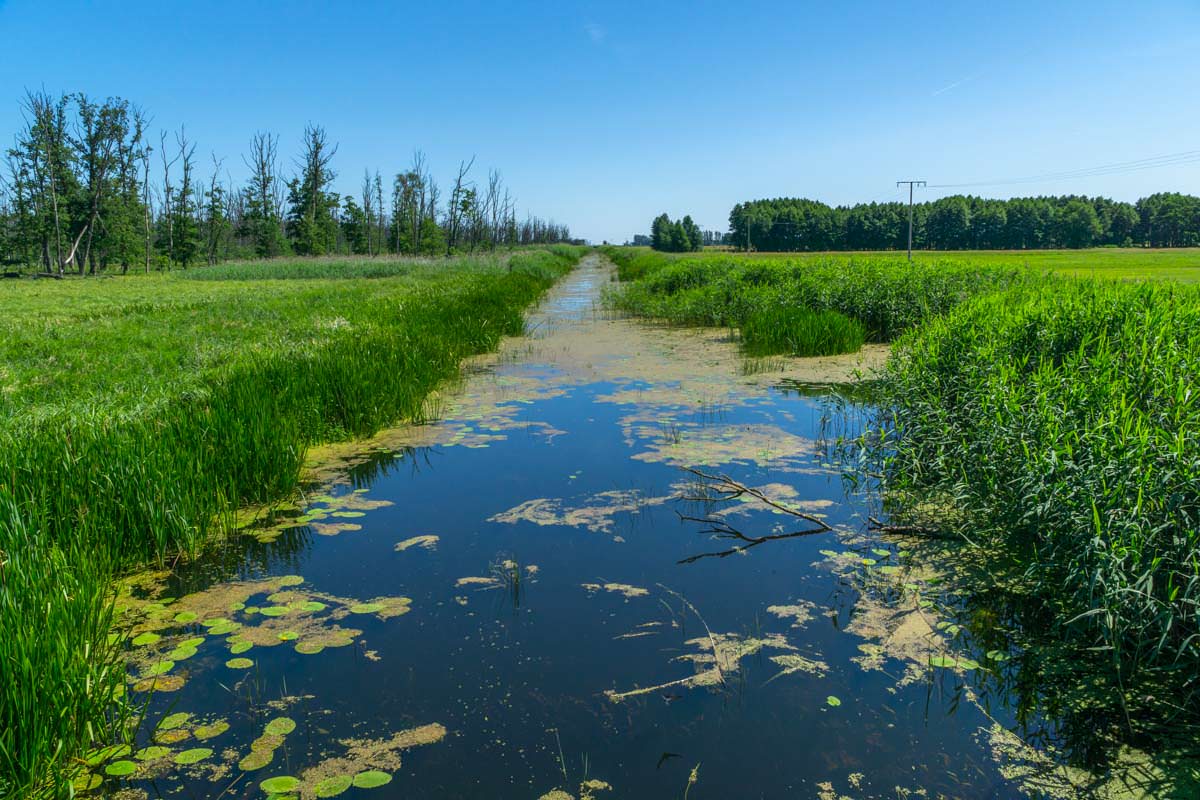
1181, 264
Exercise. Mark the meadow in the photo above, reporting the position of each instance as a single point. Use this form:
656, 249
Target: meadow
139, 412
1176, 263
1036, 411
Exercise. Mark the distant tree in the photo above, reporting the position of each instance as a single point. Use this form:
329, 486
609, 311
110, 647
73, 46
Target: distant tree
263, 220
311, 223
1078, 225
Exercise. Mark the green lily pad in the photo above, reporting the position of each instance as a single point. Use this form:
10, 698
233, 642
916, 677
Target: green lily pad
193, 756
152, 753
332, 787
161, 668
184, 617
280, 726
236, 606
832, 701
349, 515
195, 641
366, 608
240, 647
181, 653
212, 730
256, 760
308, 648
87, 781
275, 611
870, 562
312, 605
290, 580
224, 628
372, 779
143, 639
287, 636
239, 663
952, 662
99, 756
209, 623
881, 553
172, 721
997, 655
120, 769
280, 785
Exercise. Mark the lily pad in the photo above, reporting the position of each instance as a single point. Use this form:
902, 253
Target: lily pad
213, 622
224, 628
256, 760
172, 721
290, 580
160, 668
182, 653
287, 636
952, 662
332, 787
97, 757
143, 639
281, 726
184, 617
309, 648
87, 781
881, 553
240, 647
212, 730
120, 769
193, 756
366, 608
275, 611
239, 663
372, 779
195, 641
312, 605
832, 701
280, 785
152, 753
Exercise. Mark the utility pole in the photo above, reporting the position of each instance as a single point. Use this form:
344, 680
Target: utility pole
910, 185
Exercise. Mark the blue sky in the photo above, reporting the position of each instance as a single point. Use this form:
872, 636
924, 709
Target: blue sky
603, 115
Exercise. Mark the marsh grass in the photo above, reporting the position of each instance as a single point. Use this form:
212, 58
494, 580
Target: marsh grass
139, 413
795, 331
1063, 419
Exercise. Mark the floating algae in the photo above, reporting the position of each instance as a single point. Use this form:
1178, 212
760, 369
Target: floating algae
618, 588
595, 513
425, 542
799, 613
382, 755
718, 656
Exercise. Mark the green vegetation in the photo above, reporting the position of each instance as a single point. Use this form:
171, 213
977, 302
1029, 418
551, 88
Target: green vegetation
139, 412
87, 192
965, 222
679, 236
886, 296
1060, 418
1054, 418
800, 331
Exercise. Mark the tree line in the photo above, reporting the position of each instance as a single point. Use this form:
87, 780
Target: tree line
84, 189
968, 223
677, 236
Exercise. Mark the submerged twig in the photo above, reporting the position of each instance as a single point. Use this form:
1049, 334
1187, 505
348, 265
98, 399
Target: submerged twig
910, 530
712, 640
727, 490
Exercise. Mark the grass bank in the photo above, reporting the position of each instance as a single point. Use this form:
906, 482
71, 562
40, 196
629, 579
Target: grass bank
1055, 418
885, 295
139, 412
1061, 418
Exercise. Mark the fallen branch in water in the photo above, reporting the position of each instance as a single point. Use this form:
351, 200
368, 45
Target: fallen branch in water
907, 530
725, 489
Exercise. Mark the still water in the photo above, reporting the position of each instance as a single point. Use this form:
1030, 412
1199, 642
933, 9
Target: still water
530, 598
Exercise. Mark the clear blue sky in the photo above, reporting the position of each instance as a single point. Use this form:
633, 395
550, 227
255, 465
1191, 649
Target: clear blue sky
604, 114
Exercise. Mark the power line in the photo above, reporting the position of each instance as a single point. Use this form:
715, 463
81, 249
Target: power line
1169, 160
